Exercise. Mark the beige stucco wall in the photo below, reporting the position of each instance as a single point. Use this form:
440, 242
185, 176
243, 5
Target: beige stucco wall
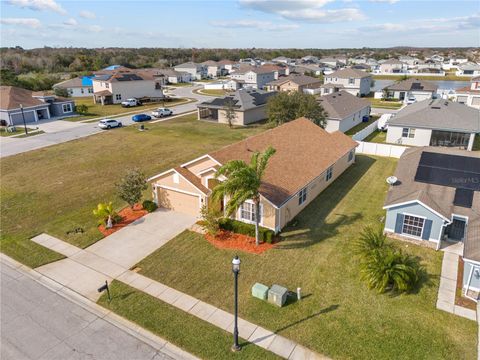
128, 89
178, 201
245, 117
269, 217
421, 138
200, 165
288, 211
168, 181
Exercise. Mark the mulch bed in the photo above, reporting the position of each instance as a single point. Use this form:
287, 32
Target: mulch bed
459, 299
229, 240
128, 216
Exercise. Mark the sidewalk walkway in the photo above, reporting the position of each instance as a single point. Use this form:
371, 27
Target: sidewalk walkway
448, 285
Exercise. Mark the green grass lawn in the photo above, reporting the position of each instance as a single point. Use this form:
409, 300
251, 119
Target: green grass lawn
18, 130
476, 143
338, 315
379, 103
54, 189
379, 137
361, 126
448, 76
211, 92
180, 328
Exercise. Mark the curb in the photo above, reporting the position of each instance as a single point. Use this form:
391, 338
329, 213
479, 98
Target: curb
127, 326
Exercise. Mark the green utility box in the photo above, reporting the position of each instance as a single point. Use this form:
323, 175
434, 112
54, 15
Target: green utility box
260, 291
277, 295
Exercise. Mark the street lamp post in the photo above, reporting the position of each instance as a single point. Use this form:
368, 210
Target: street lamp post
23, 117
236, 271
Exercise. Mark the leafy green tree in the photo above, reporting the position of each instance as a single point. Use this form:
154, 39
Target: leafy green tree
230, 112
210, 220
131, 186
243, 183
287, 106
81, 109
63, 93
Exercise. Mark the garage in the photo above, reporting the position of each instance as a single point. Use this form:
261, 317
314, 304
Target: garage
179, 201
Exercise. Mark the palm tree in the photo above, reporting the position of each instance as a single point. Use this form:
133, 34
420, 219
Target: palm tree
243, 183
370, 239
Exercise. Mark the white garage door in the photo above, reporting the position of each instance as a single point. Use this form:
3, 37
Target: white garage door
179, 201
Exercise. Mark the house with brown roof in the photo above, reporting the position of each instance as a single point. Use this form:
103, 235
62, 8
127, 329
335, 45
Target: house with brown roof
295, 82
80, 86
436, 201
307, 160
469, 95
356, 82
344, 110
411, 89
36, 106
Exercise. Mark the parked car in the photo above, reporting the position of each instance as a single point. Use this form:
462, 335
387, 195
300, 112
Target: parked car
141, 117
108, 124
382, 123
130, 103
411, 100
161, 112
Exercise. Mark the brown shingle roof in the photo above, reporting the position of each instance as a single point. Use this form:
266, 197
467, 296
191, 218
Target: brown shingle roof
413, 84
303, 152
342, 104
196, 181
11, 97
300, 80
349, 73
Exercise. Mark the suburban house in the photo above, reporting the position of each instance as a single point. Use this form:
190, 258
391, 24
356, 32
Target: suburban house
308, 69
356, 82
468, 69
81, 86
175, 77
309, 59
393, 66
344, 110
214, 69
296, 174
469, 95
405, 89
36, 106
197, 71
278, 70
249, 105
409, 60
282, 59
253, 77
436, 200
437, 122
331, 62
120, 85
228, 65
295, 82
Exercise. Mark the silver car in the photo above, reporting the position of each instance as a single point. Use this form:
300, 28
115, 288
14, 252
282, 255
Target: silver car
108, 124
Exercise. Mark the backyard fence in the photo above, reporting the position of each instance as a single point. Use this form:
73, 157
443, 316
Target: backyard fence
362, 134
369, 148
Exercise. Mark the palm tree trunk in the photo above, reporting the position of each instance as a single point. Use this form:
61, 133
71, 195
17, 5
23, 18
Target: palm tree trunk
257, 216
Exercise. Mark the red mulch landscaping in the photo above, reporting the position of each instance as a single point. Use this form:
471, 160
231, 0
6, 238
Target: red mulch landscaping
128, 216
229, 240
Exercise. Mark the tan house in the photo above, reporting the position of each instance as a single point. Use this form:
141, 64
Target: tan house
307, 160
356, 82
294, 83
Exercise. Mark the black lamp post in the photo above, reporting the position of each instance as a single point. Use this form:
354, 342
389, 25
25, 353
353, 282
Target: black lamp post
236, 271
23, 117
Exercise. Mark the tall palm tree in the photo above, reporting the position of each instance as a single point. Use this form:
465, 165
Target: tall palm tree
243, 183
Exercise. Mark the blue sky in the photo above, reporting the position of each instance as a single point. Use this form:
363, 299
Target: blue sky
240, 23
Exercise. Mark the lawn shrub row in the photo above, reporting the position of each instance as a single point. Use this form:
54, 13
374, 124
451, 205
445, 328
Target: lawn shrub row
266, 235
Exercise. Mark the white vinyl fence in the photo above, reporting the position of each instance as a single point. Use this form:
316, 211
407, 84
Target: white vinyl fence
369, 148
362, 134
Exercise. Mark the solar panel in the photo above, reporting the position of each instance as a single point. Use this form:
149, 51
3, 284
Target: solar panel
460, 172
416, 86
463, 198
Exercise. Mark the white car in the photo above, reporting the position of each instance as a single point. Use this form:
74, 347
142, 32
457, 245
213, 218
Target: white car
161, 112
108, 124
130, 103
411, 100
382, 123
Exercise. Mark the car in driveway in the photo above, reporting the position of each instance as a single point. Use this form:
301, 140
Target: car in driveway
109, 124
411, 100
161, 112
141, 117
130, 103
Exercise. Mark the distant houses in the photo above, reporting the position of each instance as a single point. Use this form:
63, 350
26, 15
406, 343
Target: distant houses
81, 86
295, 82
417, 89
469, 95
356, 82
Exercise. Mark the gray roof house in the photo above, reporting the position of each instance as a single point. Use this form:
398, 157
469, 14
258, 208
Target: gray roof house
416, 88
344, 110
356, 82
197, 71
36, 106
436, 201
249, 106
437, 122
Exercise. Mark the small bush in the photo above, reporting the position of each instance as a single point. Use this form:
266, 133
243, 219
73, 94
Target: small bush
210, 220
149, 205
265, 235
81, 109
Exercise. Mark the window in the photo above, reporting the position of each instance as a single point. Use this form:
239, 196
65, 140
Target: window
413, 225
408, 133
247, 212
351, 81
81, 90
118, 96
67, 108
70, 91
350, 155
107, 85
329, 174
90, 90
302, 196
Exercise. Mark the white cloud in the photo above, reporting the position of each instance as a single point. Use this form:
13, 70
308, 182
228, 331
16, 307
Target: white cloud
384, 1
253, 24
29, 22
70, 22
94, 28
39, 5
304, 10
87, 14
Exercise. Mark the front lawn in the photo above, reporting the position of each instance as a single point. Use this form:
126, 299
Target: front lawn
385, 104
211, 92
180, 328
54, 189
377, 136
361, 126
18, 130
338, 315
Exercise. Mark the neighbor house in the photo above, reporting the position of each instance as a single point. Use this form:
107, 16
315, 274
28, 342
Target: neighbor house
197, 71
393, 66
468, 69
228, 65
278, 70
469, 95
249, 106
356, 82
411, 88
36, 106
176, 77
120, 85
344, 110
296, 174
214, 69
282, 59
81, 86
254, 77
294, 82
331, 62
437, 122
436, 201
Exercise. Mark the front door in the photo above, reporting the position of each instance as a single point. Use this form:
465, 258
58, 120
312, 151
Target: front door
402, 95
456, 230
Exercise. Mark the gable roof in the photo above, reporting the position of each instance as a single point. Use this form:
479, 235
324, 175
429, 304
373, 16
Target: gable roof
349, 73
11, 97
393, 61
412, 84
304, 151
341, 104
194, 180
187, 65
243, 99
438, 114
300, 80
